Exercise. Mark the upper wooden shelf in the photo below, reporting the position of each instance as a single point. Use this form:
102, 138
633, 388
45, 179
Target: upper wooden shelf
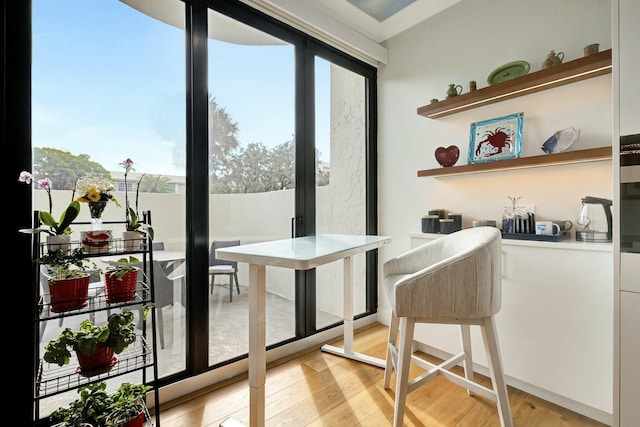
578, 156
566, 73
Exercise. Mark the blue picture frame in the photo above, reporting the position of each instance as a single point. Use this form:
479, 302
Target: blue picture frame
496, 139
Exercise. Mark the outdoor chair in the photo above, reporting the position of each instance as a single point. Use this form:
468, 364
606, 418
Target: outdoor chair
228, 268
455, 279
164, 294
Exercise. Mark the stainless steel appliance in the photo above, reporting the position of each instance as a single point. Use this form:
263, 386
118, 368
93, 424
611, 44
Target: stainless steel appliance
630, 193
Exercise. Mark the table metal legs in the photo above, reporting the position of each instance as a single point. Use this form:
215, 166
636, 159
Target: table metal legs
257, 340
347, 351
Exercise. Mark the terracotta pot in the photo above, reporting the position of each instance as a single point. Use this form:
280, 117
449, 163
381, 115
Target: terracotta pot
136, 422
69, 294
120, 289
98, 362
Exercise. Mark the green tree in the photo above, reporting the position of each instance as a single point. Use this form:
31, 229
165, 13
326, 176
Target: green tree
250, 169
156, 184
223, 140
63, 168
281, 173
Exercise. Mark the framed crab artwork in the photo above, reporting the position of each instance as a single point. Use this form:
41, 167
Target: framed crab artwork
496, 139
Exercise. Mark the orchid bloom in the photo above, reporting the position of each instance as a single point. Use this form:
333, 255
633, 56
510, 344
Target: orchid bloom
127, 165
46, 184
25, 177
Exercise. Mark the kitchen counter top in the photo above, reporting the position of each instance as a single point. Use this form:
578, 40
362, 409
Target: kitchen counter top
570, 243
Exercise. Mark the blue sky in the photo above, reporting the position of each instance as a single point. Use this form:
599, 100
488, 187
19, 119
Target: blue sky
108, 81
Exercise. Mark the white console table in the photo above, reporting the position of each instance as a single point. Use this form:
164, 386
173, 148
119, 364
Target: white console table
301, 253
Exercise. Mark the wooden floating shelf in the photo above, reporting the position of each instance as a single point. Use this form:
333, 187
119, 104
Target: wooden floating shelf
569, 72
578, 156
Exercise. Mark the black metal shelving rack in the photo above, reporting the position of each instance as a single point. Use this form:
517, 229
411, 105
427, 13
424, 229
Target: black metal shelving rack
51, 379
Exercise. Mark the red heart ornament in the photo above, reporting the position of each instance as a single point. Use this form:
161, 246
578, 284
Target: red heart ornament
447, 156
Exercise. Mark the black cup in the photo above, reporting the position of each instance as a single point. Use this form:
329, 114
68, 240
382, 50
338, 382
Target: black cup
431, 224
439, 212
446, 226
457, 221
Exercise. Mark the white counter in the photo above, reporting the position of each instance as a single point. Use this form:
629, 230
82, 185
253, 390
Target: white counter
556, 323
570, 243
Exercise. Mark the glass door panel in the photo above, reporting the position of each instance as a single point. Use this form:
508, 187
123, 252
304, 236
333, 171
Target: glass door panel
101, 97
340, 180
251, 175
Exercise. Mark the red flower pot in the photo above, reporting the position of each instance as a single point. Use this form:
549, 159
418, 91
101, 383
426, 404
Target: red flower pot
98, 362
69, 294
135, 422
120, 289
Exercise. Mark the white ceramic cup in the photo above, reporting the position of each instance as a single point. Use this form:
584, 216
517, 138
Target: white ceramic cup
547, 228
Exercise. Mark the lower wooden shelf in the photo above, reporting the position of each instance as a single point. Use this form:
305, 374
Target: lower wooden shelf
568, 157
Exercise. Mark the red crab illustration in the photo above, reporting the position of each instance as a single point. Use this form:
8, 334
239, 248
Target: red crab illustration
497, 139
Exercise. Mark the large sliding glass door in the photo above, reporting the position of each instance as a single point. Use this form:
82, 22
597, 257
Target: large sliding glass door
290, 150
288, 137
109, 85
251, 174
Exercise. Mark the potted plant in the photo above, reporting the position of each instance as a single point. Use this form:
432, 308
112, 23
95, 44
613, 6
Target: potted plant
128, 408
91, 408
58, 232
95, 407
68, 278
94, 345
120, 279
136, 231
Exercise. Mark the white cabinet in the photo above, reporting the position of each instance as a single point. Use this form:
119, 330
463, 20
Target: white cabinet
630, 273
629, 359
629, 31
629, 336
555, 326
626, 391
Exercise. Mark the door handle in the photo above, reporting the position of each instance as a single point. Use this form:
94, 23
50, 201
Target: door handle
296, 224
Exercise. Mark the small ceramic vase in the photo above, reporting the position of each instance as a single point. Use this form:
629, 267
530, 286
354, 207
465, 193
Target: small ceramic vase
553, 59
453, 90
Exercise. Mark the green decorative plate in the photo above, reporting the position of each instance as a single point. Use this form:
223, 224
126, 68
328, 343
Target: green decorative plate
508, 71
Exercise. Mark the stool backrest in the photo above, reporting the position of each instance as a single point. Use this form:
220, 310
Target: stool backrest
455, 277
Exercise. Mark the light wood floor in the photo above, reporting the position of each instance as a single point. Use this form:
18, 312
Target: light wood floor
320, 389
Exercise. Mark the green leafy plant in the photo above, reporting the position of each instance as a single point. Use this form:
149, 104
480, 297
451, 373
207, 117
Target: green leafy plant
134, 225
64, 265
61, 226
122, 266
97, 407
127, 403
119, 333
93, 405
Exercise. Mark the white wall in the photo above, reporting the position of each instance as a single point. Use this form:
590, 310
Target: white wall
467, 42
